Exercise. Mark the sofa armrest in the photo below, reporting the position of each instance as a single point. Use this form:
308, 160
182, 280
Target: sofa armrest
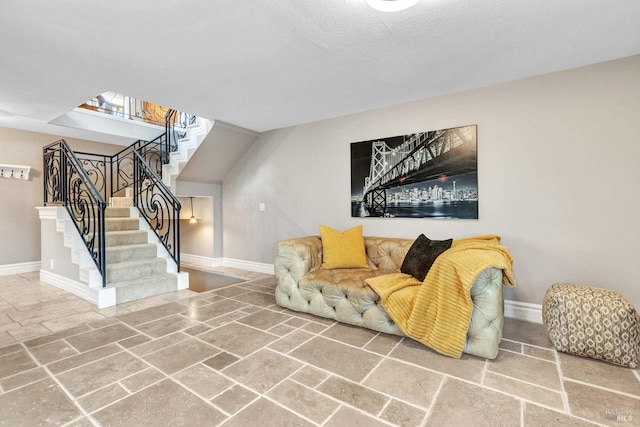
485, 329
295, 258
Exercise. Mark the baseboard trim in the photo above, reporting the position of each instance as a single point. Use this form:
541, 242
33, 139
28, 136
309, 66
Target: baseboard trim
200, 261
523, 311
74, 287
22, 267
258, 267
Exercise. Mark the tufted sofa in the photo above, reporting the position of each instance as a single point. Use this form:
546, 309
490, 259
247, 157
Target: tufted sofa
343, 295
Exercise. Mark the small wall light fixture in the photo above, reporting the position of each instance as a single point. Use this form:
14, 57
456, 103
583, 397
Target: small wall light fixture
193, 219
391, 5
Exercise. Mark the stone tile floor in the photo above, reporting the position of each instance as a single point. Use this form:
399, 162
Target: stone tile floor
232, 357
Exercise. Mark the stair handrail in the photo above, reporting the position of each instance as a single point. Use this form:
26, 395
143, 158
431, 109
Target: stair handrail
66, 182
122, 161
175, 128
158, 206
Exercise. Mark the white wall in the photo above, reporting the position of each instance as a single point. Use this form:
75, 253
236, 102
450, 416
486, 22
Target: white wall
558, 170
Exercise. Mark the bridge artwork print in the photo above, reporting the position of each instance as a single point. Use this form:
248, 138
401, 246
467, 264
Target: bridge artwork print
430, 174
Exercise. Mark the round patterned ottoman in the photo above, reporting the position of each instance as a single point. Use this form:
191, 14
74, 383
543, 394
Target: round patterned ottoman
592, 322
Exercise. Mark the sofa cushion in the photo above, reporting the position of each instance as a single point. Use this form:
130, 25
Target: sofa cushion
343, 250
343, 294
422, 254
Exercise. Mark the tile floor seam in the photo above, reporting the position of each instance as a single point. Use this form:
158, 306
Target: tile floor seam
368, 414
151, 321
563, 394
84, 364
190, 390
349, 345
252, 327
528, 355
251, 402
382, 359
333, 413
149, 366
526, 400
64, 390
272, 400
637, 374
333, 374
297, 346
599, 387
131, 393
522, 414
436, 395
210, 400
483, 374
381, 411
521, 381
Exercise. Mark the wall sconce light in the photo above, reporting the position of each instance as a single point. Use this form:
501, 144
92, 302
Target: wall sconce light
193, 219
391, 5
15, 171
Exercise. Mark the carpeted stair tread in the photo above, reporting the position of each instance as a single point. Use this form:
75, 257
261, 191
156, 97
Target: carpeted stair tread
121, 224
131, 290
127, 237
125, 253
117, 212
130, 270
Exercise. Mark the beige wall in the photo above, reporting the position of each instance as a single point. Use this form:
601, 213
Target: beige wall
211, 231
558, 170
197, 239
19, 223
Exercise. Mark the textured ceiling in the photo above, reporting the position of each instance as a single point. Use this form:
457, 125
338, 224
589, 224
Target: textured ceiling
269, 64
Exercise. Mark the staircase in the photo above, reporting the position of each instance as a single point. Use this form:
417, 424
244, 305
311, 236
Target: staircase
134, 268
138, 265
124, 252
190, 136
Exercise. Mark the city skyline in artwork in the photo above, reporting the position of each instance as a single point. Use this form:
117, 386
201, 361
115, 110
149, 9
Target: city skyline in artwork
422, 175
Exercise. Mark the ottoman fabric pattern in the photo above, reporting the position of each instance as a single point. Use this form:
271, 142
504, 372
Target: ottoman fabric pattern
592, 322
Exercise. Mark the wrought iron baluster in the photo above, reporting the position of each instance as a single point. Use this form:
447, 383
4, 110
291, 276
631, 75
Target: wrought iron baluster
158, 206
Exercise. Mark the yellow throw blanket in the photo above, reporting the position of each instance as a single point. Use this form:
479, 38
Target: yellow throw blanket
437, 312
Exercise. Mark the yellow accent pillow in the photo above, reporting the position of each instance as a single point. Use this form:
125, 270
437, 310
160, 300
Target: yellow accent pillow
343, 250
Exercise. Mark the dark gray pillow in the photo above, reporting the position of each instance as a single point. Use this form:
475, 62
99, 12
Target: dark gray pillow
422, 254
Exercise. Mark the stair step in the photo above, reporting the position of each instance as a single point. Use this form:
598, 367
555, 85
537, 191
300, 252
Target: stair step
121, 224
125, 253
127, 237
117, 212
130, 270
121, 202
131, 290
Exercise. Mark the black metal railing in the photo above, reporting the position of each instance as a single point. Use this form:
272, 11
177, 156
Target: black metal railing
82, 182
175, 126
157, 205
67, 182
119, 105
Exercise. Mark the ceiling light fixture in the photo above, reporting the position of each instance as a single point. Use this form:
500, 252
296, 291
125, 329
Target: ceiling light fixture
391, 5
193, 219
